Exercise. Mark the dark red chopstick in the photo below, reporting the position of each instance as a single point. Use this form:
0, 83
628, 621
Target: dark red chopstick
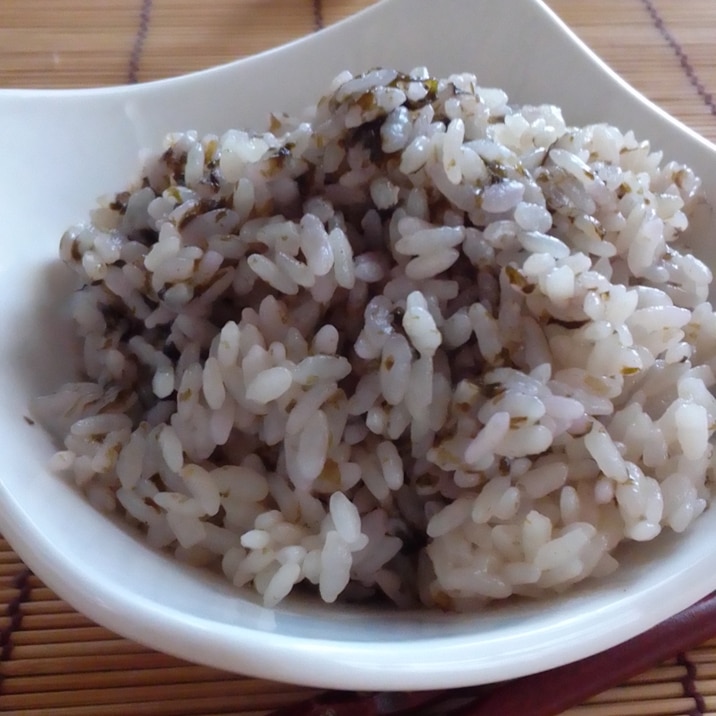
548, 693
551, 692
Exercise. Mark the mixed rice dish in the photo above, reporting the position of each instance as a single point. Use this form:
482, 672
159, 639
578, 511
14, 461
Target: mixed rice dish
418, 344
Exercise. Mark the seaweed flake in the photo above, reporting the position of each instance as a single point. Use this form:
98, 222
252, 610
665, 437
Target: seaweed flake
517, 279
145, 236
202, 206
120, 203
368, 135
570, 325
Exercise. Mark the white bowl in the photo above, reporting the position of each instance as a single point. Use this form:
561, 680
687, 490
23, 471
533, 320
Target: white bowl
61, 149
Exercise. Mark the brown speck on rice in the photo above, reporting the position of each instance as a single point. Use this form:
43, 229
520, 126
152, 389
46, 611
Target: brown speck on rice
421, 344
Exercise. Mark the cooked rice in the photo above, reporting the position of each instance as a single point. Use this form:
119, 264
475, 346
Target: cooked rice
424, 344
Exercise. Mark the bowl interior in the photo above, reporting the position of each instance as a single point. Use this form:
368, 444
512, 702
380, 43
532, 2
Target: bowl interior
63, 149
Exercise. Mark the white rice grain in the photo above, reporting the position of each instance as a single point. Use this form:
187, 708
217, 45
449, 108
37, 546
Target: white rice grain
345, 517
281, 584
335, 567
171, 447
269, 385
605, 453
391, 464
419, 325
692, 429
313, 447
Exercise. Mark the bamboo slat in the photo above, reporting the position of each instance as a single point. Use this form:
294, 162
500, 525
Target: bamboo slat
640, 692
126, 678
660, 674
76, 647
40, 606
52, 621
148, 661
207, 692
661, 707
61, 636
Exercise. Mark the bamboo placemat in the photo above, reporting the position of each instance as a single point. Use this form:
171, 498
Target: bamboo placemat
54, 661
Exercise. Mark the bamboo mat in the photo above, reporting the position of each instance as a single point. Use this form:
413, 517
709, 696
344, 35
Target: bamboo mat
54, 661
